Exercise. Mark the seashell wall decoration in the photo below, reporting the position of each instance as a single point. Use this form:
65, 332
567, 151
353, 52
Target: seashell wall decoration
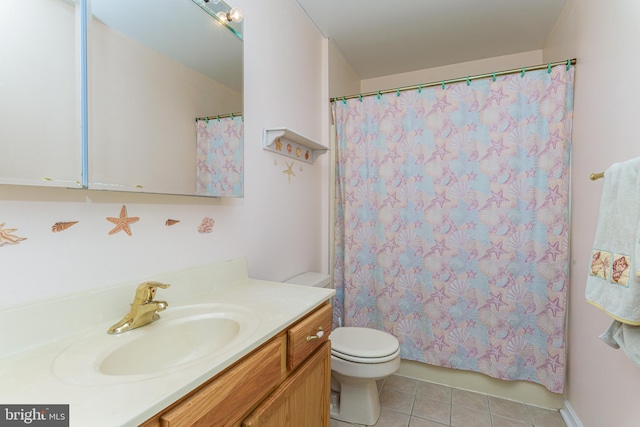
7, 237
61, 226
171, 222
206, 226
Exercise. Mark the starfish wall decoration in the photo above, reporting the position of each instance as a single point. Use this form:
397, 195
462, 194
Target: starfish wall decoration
122, 222
289, 171
7, 238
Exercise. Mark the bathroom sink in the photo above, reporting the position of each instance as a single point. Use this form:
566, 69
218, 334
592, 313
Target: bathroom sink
182, 337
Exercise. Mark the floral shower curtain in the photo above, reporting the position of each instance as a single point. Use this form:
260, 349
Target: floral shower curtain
220, 157
452, 222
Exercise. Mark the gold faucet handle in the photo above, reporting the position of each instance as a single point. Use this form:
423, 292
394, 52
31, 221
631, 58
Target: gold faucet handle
147, 291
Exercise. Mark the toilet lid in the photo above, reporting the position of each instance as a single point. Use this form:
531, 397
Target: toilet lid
363, 343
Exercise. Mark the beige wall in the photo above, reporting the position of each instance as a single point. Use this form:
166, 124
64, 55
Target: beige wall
278, 225
604, 36
342, 79
286, 222
453, 71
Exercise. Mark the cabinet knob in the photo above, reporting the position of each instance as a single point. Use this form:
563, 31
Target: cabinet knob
318, 334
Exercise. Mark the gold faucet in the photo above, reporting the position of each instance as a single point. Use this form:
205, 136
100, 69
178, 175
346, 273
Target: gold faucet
144, 309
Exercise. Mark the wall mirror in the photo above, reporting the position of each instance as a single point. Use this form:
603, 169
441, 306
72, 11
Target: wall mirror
153, 69
40, 119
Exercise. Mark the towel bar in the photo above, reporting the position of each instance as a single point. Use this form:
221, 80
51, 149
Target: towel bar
595, 176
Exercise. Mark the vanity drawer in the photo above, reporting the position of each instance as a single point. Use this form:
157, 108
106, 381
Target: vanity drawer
223, 401
300, 337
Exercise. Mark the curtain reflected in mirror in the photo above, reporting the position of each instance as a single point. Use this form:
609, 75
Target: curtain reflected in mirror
220, 161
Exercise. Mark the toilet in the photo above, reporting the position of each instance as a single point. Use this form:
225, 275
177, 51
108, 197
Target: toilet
359, 358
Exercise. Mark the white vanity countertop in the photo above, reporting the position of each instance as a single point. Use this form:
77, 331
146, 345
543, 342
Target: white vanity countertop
27, 377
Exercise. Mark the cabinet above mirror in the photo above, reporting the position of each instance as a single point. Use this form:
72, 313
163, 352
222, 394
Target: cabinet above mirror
40, 116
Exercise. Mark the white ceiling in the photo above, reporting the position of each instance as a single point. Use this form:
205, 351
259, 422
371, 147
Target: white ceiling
380, 38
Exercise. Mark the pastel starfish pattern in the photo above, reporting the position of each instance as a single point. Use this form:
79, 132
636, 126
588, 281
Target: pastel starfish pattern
7, 238
122, 222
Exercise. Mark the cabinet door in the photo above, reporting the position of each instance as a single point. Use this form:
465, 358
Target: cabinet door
40, 138
302, 399
223, 402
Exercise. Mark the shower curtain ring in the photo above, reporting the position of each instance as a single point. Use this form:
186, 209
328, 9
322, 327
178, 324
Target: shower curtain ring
549, 68
524, 69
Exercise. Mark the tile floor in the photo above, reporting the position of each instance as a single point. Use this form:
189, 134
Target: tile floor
407, 402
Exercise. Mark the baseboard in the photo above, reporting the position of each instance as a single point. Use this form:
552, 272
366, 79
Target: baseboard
518, 391
569, 415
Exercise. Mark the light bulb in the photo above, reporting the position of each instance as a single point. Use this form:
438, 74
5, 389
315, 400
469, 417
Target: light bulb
222, 15
235, 15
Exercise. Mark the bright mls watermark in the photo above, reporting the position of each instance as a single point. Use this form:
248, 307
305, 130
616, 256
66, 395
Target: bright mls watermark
34, 415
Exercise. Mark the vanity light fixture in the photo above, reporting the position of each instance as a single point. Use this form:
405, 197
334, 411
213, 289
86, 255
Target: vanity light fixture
223, 14
234, 15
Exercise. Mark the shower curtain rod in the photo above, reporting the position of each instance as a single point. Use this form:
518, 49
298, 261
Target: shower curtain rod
220, 116
457, 80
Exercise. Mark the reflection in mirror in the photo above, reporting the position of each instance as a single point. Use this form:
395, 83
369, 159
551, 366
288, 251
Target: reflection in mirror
220, 156
40, 134
152, 72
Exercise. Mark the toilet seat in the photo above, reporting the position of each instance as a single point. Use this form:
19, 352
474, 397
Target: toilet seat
363, 345
365, 360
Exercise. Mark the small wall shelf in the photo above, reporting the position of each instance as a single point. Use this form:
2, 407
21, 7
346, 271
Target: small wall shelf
291, 144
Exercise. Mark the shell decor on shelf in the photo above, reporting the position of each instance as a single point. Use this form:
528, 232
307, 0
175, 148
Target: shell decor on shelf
206, 226
61, 226
171, 222
122, 222
7, 237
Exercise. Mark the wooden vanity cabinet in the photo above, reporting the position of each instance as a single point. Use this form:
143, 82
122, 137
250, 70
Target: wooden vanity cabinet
285, 382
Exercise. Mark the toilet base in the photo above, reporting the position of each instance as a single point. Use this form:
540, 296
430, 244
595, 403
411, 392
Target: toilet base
358, 401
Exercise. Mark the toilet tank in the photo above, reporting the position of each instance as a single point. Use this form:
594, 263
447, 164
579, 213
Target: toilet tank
318, 280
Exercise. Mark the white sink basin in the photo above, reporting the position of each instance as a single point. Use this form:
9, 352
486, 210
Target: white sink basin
182, 337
